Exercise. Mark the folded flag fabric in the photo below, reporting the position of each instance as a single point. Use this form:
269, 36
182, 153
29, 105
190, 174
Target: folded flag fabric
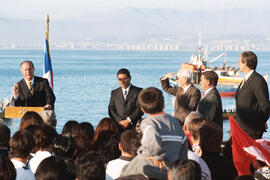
244, 149
47, 65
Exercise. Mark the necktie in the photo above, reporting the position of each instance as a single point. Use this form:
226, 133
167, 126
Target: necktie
29, 86
125, 94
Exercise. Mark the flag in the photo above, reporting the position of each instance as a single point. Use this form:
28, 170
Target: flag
244, 149
47, 65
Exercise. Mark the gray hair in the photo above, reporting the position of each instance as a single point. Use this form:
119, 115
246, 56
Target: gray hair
192, 115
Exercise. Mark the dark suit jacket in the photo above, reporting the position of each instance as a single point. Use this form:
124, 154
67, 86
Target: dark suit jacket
42, 95
252, 105
210, 107
184, 103
120, 109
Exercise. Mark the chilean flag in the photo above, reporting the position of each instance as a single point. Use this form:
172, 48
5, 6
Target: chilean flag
244, 149
47, 65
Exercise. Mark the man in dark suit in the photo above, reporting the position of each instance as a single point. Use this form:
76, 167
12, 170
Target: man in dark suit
210, 106
252, 97
124, 107
187, 95
32, 90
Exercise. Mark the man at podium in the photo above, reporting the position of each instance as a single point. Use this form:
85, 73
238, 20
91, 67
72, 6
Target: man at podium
32, 91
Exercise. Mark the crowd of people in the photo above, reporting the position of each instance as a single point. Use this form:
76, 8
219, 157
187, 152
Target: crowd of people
186, 146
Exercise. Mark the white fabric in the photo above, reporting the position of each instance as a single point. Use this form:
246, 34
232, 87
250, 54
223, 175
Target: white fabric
207, 91
36, 160
125, 91
114, 168
206, 174
22, 173
186, 88
248, 74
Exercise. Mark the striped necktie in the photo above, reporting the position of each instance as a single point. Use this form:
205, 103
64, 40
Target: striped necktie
125, 94
30, 87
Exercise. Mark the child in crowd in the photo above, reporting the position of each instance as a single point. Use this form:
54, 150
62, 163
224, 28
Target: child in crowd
128, 145
163, 140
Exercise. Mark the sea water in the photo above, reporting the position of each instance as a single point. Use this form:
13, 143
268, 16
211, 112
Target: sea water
83, 80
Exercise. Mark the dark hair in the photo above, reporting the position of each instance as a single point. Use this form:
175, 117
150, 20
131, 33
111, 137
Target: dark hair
64, 146
130, 142
249, 58
21, 144
211, 76
46, 137
244, 177
194, 126
185, 169
4, 135
30, 118
151, 100
7, 169
210, 136
85, 128
69, 127
123, 71
36, 132
90, 166
52, 168
27, 61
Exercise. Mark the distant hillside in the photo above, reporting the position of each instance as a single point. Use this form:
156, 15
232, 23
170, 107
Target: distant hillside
135, 24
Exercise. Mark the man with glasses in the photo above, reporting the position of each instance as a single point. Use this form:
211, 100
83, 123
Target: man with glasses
124, 107
187, 95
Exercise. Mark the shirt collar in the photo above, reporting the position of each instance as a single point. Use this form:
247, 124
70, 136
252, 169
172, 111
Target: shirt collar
186, 88
127, 89
32, 81
248, 75
209, 89
18, 164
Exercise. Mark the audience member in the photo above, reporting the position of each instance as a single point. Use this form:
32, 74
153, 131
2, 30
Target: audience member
36, 131
210, 139
86, 128
21, 144
128, 145
69, 127
163, 140
4, 140
53, 168
30, 118
90, 166
106, 139
44, 143
184, 170
7, 169
49, 117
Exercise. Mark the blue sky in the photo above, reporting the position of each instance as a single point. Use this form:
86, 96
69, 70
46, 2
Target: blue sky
60, 9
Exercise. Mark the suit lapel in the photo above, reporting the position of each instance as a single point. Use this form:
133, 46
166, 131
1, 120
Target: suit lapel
130, 93
247, 83
120, 94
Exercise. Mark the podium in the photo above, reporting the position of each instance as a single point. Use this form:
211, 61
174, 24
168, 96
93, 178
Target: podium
18, 112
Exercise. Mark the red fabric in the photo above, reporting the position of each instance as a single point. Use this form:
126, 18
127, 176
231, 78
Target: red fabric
244, 149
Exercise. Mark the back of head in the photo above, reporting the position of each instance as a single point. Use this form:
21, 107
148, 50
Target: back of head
194, 126
46, 137
48, 117
151, 100
184, 170
250, 59
64, 146
123, 71
130, 142
211, 76
85, 128
52, 168
7, 169
30, 118
210, 135
192, 115
4, 135
21, 144
69, 127
90, 166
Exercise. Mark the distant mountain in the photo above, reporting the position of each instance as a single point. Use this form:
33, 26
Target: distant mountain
135, 24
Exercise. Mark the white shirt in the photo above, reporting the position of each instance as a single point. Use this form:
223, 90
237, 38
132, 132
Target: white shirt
206, 174
186, 88
248, 75
115, 167
123, 91
22, 172
207, 91
26, 81
36, 160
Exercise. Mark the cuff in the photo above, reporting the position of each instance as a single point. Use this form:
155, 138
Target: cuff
129, 120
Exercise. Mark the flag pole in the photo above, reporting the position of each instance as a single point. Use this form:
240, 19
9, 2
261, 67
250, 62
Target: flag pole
47, 26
